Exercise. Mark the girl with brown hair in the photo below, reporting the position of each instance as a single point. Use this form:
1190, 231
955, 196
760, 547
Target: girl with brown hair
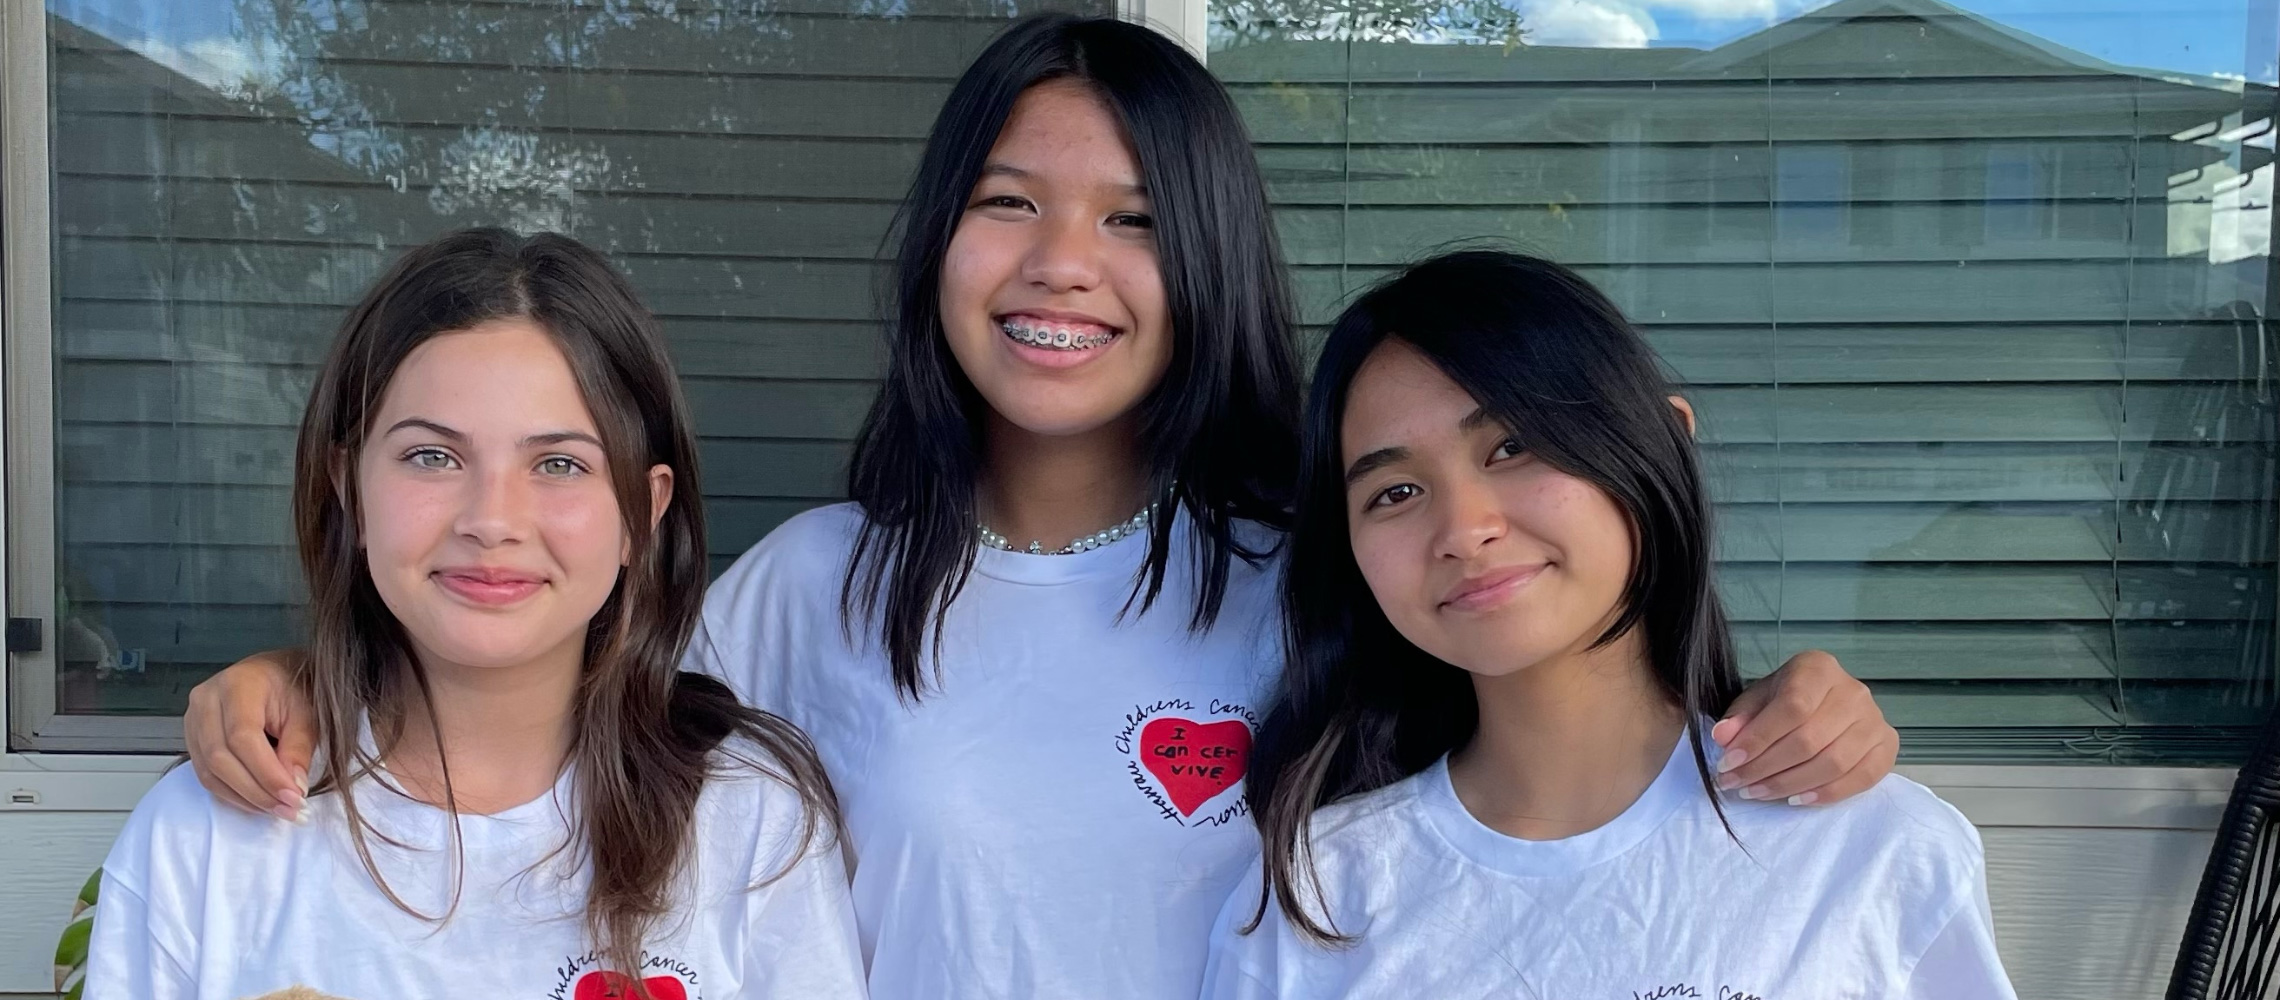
518, 792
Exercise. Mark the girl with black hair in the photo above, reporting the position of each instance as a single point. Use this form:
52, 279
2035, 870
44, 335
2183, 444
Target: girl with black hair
1486, 770
1030, 649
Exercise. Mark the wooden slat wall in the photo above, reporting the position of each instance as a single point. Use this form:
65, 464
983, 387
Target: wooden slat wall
1958, 439
741, 165
2004, 451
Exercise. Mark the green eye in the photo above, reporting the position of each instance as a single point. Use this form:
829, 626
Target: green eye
560, 466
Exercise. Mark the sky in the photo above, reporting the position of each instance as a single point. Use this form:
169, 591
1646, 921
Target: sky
2200, 37
2228, 38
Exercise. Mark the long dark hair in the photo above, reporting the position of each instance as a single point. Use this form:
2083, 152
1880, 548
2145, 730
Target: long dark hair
645, 735
1233, 372
1358, 706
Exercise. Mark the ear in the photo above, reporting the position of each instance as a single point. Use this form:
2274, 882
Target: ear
660, 498
1685, 413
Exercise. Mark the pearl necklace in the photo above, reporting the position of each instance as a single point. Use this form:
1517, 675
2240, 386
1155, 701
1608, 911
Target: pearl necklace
1125, 529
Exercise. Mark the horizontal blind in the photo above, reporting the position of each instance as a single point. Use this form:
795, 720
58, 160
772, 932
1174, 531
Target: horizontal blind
220, 198
1981, 368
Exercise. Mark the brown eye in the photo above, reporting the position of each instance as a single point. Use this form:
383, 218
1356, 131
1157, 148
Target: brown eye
1396, 493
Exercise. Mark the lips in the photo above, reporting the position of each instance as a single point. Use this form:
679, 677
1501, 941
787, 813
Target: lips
487, 585
1484, 591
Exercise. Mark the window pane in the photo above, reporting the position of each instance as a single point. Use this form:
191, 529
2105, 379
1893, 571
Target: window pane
229, 175
1971, 297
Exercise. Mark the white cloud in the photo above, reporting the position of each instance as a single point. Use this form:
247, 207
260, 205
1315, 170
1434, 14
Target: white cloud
1720, 10
1597, 24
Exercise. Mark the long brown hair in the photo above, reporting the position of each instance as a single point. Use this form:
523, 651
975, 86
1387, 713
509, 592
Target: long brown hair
646, 736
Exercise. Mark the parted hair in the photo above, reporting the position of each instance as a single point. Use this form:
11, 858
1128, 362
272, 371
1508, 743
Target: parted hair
646, 736
1219, 434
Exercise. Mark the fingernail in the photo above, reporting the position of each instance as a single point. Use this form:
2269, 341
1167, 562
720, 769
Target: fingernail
285, 812
1754, 792
1726, 782
1732, 759
1804, 798
301, 778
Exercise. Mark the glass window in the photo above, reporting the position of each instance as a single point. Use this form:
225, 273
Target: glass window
1972, 296
228, 174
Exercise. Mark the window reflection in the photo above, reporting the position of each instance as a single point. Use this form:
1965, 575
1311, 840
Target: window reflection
1970, 295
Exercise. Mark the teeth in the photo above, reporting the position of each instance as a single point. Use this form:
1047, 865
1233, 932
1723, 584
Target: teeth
1053, 338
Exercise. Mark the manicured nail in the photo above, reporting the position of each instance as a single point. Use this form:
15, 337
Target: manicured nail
289, 814
1754, 792
1726, 782
301, 778
1805, 798
1732, 759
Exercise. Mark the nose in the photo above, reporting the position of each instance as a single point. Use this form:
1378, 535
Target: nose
1471, 518
1066, 255
496, 508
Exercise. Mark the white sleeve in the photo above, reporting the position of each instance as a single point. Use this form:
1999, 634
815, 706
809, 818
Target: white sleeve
802, 931
147, 914
128, 958
1232, 969
1961, 963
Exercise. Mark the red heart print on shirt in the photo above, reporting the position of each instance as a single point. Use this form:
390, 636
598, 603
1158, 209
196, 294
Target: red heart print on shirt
1195, 761
603, 985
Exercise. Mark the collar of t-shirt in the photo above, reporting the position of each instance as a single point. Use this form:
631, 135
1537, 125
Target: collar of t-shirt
1122, 557
1672, 789
417, 825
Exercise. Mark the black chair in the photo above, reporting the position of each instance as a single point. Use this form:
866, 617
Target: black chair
2232, 939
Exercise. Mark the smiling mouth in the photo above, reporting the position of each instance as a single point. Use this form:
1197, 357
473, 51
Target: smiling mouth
1493, 589
1055, 336
489, 588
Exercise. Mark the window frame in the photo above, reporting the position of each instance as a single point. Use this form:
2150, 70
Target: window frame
55, 762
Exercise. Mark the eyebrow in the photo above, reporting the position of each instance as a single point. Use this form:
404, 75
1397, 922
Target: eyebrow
428, 425
997, 169
557, 437
1478, 418
1374, 461
540, 440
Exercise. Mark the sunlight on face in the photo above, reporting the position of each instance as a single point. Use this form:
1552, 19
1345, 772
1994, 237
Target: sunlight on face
1480, 554
1051, 296
488, 519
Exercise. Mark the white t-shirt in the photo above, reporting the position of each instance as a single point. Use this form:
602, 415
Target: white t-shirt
1061, 814
204, 901
1882, 895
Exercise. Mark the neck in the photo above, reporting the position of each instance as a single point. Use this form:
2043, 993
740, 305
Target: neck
505, 730
1055, 489
1565, 745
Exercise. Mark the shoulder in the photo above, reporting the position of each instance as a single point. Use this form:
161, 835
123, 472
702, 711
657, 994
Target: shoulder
1360, 830
796, 568
1915, 850
750, 799
814, 543
174, 828
1906, 818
